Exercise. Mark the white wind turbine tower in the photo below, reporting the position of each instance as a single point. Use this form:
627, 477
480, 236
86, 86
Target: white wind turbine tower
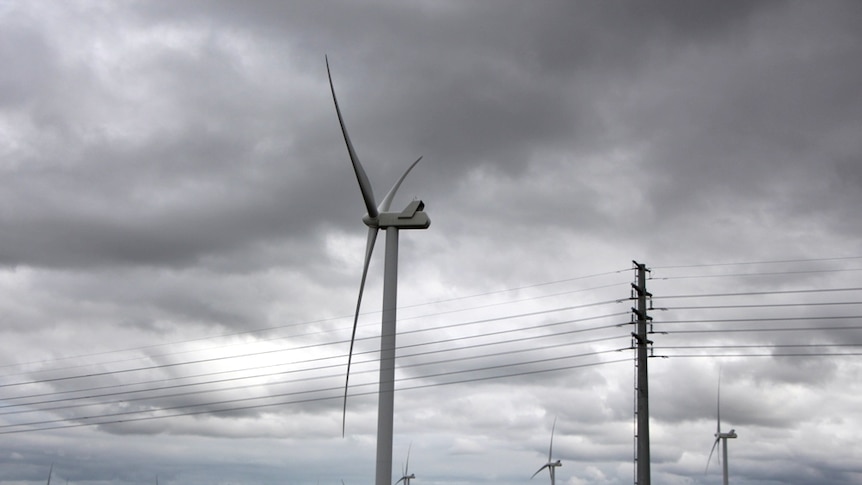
378, 217
406, 476
719, 436
550, 465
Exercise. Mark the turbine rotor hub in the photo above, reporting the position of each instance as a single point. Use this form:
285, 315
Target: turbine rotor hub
371, 221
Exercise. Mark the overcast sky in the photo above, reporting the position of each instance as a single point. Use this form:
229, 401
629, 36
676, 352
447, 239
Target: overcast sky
181, 238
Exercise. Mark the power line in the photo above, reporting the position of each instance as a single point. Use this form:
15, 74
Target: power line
344, 317
338, 388
758, 293
528, 314
742, 263
763, 319
340, 356
316, 369
482, 321
317, 377
742, 275
536, 285
273, 351
817, 354
756, 330
586, 305
761, 305
755, 346
303, 374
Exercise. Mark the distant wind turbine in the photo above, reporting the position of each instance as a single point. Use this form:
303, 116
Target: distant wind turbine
550, 465
378, 217
406, 476
719, 436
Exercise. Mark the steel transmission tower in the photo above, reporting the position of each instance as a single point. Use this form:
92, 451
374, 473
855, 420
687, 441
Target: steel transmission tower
644, 349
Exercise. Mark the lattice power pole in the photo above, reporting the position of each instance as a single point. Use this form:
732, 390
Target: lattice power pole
644, 348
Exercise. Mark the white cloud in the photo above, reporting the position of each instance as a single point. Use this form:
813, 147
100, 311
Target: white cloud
180, 233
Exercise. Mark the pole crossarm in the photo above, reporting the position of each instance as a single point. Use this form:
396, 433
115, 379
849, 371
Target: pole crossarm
641, 314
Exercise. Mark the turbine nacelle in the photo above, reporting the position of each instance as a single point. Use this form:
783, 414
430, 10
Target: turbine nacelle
411, 217
405, 479
550, 465
404, 471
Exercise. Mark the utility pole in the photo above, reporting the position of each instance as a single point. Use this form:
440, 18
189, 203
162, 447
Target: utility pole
642, 456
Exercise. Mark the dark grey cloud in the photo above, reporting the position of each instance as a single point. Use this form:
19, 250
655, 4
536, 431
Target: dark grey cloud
176, 188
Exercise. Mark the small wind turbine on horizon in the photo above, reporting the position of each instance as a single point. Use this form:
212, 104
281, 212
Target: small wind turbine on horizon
378, 217
550, 465
719, 436
406, 476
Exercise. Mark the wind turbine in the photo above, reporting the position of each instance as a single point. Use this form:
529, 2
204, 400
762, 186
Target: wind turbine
378, 217
406, 476
719, 436
550, 465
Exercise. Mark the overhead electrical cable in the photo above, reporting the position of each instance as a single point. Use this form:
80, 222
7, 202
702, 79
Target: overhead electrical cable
65, 368
762, 305
756, 346
742, 263
526, 287
344, 317
401, 367
757, 293
273, 351
743, 275
759, 319
762, 330
309, 400
340, 356
319, 359
339, 365
425, 355
338, 388
794, 354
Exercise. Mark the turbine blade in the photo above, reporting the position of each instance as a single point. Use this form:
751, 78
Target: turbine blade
540, 469
400, 480
387, 201
50, 471
551, 449
710, 455
718, 405
718, 455
407, 466
364, 183
369, 248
